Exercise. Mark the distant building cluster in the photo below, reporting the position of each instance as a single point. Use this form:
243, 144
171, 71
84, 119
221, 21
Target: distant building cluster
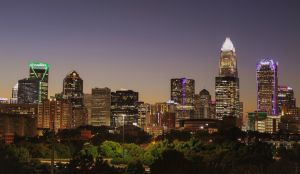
30, 110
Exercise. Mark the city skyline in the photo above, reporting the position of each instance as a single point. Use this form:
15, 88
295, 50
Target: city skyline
149, 50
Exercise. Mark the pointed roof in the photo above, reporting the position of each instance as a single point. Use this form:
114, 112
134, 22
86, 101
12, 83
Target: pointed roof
228, 45
204, 92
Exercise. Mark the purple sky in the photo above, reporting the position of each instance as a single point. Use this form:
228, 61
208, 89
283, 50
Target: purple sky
142, 44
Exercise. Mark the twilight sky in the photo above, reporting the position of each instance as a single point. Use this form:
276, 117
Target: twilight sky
142, 44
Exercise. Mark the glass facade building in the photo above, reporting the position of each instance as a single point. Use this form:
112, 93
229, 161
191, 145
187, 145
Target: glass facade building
40, 71
286, 99
183, 91
227, 83
28, 91
124, 110
73, 91
267, 86
100, 107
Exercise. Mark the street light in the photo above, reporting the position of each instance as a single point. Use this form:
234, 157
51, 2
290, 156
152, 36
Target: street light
123, 115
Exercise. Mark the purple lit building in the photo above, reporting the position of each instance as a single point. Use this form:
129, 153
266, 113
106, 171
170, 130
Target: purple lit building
267, 86
183, 91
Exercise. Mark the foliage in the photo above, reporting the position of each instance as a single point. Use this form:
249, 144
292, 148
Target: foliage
111, 149
173, 162
135, 167
89, 150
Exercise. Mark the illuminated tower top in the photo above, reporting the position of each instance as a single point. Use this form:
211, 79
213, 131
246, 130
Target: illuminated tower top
39, 70
228, 64
228, 45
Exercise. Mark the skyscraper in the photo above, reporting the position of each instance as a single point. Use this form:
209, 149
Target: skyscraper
183, 91
40, 71
286, 99
100, 107
267, 86
227, 83
28, 91
124, 108
73, 91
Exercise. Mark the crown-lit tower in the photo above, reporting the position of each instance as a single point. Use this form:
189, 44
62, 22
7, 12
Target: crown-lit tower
227, 83
40, 71
267, 86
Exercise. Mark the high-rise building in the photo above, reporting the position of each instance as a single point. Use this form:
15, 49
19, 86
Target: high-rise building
40, 71
14, 94
124, 109
100, 107
205, 102
227, 83
28, 91
143, 112
286, 99
183, 91
73, 91
267, 86
54, 114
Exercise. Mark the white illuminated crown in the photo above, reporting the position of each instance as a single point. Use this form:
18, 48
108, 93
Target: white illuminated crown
228, 45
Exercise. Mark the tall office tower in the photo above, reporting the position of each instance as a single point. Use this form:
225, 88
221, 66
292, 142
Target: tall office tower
54, 114
124, 109
183, 91
227, 83
205, 101
73, 91
267, 86
28, 91
40, 71
14, 94
286, 99
100, 107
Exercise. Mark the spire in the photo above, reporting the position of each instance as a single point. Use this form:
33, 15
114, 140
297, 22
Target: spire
228, 45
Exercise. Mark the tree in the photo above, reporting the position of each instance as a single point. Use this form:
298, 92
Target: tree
135, 167
111, 149
173, 162
88, 150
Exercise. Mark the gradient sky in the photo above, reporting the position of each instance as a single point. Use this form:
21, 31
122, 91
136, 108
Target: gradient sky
142, 44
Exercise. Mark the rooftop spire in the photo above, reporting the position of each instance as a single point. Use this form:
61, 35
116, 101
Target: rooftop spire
228, 45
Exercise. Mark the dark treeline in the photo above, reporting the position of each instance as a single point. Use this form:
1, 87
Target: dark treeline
176, 152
